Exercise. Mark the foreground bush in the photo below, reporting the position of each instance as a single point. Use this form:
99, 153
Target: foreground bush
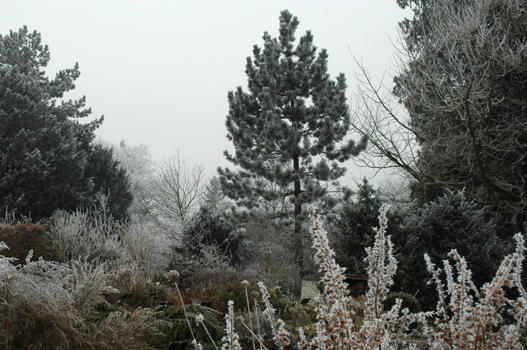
465, 318
49, 305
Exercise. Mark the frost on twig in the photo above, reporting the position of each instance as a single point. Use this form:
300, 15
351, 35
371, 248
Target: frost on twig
231, 341
334, 317
335, 329
280, 334
470, 318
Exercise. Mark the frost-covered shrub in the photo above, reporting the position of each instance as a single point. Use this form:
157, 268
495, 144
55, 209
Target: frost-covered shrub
41, 299
468, 317
380, 328
134, 330
84, 234
215, 239
96, 235
49, 305
211, 227
212, 259
149, 245
136, 288
465, 318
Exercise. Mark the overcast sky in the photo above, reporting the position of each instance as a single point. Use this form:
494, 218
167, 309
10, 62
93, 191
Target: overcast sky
159, 71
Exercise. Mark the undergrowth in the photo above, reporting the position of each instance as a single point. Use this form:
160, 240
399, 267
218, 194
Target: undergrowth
87, 302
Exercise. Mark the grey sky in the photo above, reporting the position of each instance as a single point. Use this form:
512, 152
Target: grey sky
160, 70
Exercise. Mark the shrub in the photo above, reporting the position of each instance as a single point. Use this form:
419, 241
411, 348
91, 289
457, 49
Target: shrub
95, 235
210, 227
89, 234
149, 245
136, 330
58, 305
465, 318
49, 305
137, 289
272, 253
353, 227
450, 222
217, 290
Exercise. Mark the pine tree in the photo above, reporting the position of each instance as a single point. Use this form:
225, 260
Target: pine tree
44, 148
289, 129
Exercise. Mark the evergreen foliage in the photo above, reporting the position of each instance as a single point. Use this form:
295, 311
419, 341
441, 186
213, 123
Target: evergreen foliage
464, 87
449, 222
407, 301
289, 128
214, 228
44, 148
353, 228
211, 228
111, 179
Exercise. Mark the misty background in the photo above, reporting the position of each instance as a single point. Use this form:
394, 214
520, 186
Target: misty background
159, 71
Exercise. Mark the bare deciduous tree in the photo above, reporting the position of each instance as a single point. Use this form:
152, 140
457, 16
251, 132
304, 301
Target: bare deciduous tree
178, 189
392, 147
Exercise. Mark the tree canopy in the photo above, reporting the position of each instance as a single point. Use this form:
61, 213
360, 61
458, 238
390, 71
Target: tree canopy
464, 88
44, 148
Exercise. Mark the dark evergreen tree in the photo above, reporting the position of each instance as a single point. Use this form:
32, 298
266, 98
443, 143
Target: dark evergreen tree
216, 225
111, 179
210, 227
352, 228
288, 130
449, 222
44, 148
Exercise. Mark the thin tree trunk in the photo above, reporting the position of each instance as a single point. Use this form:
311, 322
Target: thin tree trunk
299, 251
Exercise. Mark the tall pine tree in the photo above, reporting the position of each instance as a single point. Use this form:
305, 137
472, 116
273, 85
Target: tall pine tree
289, 129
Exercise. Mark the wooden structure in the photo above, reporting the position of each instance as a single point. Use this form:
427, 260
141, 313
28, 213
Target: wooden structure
357, 284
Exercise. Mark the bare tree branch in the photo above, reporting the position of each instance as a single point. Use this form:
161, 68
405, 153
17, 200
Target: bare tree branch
178, 189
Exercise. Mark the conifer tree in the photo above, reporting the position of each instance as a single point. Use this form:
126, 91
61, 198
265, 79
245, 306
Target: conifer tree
289, 128
45, 151
354, 227
111, 179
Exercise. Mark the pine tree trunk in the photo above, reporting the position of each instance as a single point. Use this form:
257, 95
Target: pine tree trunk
299, 251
